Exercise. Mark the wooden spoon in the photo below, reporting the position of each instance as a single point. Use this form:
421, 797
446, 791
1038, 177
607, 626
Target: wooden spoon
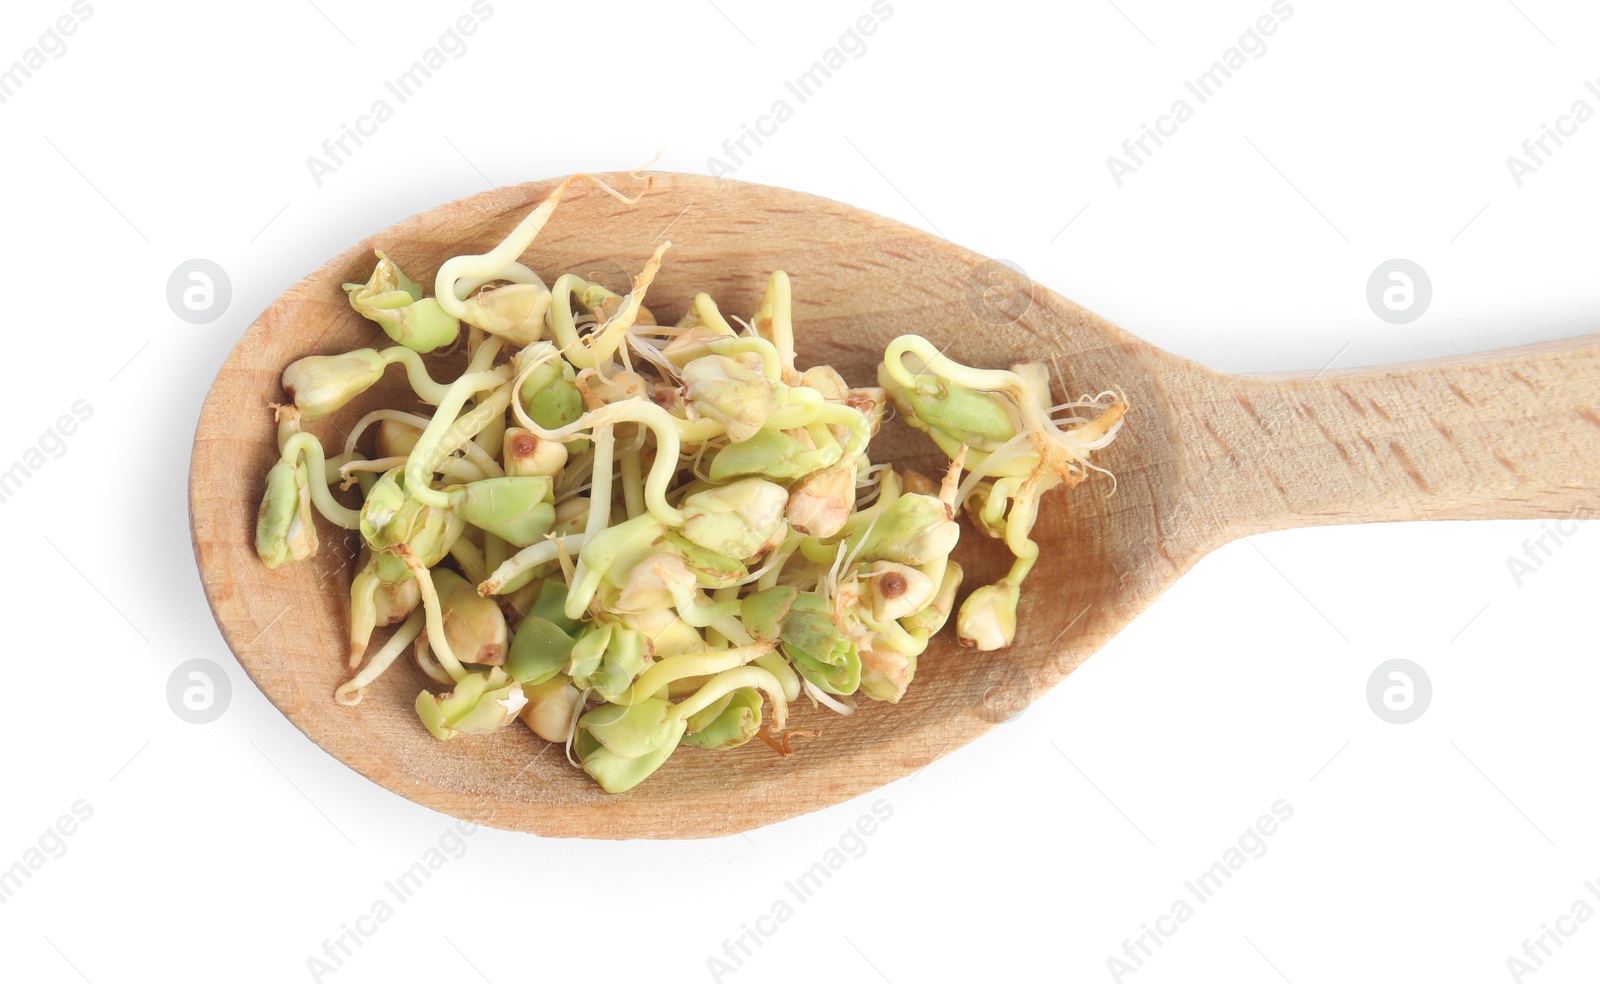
1204, 458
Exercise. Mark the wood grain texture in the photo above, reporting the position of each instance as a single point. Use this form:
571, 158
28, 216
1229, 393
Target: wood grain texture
1204, 458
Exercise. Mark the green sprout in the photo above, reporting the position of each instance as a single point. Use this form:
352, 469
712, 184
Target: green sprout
779, 455
515, 508
391, 299
514, 312
322, 384
481, 703
726, 391
915, 529
621, 744
606, 660
549, 392
285, 530
800, 623
737, 519
729, 723
540, 650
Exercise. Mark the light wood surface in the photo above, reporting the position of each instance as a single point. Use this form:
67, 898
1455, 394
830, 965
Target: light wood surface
1205, 457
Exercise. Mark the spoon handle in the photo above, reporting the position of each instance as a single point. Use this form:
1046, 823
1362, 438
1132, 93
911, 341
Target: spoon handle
1512, 434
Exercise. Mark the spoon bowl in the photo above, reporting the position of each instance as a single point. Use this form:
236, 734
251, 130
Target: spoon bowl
1203, 458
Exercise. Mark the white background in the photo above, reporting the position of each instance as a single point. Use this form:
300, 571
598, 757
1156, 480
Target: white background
1428, 851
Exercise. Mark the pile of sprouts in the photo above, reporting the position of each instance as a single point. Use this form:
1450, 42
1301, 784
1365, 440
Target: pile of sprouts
633, 536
